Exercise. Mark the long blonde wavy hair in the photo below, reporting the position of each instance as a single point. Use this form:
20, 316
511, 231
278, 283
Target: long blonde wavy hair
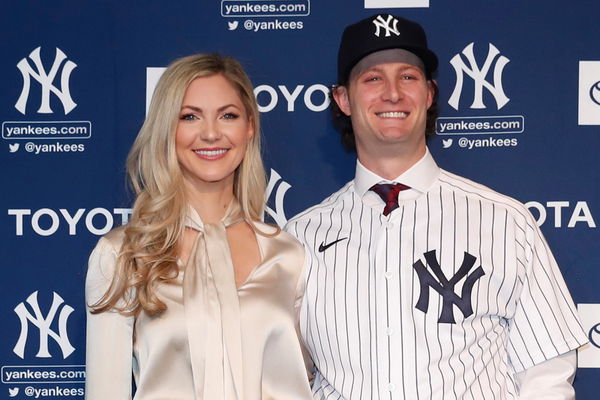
148, 255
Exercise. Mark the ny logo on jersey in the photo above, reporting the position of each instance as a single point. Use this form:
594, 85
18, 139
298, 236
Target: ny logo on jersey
278, 214
43, 324
45, 79
445, 286
478, 75
386, 24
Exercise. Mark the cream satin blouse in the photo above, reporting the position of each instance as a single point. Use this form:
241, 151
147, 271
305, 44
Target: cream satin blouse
214, 341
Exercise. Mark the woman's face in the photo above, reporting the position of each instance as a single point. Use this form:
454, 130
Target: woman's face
212, 132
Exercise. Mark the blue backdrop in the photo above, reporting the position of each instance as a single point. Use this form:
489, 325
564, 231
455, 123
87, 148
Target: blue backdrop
520, 112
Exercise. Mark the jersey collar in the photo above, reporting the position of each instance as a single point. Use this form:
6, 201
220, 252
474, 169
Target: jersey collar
420, 177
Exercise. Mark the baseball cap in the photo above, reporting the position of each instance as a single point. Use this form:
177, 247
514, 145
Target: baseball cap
382, 32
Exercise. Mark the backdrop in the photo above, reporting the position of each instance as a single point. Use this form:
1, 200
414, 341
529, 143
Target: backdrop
520, 112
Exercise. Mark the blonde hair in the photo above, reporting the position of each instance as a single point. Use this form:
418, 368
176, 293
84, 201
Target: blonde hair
148, 255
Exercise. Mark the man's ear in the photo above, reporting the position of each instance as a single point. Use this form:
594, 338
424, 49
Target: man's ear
431, 88
340, 95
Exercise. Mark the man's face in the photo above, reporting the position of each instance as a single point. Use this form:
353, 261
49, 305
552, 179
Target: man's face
387, 104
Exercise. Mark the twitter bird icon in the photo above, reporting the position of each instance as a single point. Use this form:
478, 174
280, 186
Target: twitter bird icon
447, 143
13, 392
232, 25
13, 148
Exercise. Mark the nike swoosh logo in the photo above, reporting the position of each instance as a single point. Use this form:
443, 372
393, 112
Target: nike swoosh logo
323, 246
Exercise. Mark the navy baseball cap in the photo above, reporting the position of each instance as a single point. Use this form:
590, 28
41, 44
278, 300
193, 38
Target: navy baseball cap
382, 32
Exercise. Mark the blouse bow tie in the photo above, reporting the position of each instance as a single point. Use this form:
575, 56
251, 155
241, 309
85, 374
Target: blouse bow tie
212, 311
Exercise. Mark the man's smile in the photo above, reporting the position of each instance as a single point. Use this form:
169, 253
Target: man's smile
392, 114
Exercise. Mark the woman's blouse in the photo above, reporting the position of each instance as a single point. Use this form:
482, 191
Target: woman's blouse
214, 341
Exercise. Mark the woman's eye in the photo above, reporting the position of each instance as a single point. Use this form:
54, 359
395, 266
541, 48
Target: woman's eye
188, 117
230, 116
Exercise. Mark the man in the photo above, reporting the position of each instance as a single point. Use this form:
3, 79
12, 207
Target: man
421, 284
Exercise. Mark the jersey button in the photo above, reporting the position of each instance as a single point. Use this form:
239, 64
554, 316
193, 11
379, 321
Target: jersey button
389, 331
391, 387
389, 274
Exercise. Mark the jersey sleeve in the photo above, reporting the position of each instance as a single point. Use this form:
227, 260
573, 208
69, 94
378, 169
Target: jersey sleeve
545, 323
291, 228
300, 290
109, 352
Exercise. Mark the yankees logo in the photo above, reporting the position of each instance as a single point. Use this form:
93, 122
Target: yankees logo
478, 75
45, 79
44, 323
445, 286
386, 24
277, 212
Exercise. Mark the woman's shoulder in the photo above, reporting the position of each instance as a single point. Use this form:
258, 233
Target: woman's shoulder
102, 263
107, 248
279, 243
276, 233
111, 241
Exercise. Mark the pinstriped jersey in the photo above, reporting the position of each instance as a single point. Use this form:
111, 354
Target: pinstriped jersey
446, 298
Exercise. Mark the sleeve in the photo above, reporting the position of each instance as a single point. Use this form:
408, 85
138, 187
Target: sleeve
109, 352
550, 380
545, 323
300, 289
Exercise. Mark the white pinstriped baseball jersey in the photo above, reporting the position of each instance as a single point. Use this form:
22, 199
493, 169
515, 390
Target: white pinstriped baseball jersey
446, 298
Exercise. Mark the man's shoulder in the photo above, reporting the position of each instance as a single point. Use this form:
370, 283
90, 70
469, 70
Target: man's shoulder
483, 193
324, 206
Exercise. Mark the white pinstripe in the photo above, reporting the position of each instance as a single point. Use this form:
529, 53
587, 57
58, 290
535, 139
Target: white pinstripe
359, 319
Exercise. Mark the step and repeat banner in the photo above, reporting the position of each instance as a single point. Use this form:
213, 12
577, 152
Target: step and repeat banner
519, 112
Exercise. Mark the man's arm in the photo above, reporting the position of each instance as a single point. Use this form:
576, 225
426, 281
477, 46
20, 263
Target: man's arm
549, 380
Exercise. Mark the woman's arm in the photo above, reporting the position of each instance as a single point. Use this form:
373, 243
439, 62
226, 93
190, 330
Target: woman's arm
109, 352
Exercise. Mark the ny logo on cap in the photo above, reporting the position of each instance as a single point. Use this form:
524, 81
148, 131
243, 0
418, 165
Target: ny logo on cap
387, 25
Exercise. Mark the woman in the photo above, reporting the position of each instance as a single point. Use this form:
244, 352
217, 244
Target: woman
195, 296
